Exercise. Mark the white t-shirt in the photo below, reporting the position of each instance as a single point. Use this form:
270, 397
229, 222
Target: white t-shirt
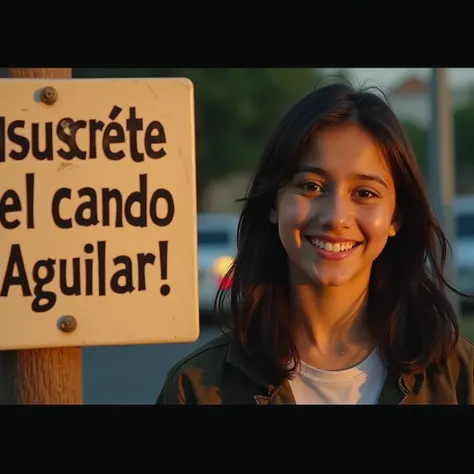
360, 385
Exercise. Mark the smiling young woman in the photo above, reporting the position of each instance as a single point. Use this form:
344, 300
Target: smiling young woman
338, 294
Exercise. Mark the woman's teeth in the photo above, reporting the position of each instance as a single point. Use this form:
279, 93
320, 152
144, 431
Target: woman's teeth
332, 246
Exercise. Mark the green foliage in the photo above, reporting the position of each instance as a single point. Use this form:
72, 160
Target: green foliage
237, 109
418, 136
463, 125
464, 135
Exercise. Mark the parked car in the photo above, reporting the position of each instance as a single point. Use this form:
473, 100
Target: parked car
217, 245
463, 248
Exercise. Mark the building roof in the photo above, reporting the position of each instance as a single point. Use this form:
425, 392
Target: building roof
412, 85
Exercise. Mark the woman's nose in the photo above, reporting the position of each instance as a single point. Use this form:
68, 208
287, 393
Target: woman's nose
335, 212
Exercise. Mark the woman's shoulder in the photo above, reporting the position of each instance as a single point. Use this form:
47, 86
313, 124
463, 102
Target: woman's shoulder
453, 383
463, 353
217, 373
202, 367
212, 353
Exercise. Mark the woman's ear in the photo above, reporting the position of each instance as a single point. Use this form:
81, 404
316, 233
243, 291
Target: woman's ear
395, 226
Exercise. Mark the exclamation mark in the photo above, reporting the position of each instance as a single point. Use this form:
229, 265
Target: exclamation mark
163, 245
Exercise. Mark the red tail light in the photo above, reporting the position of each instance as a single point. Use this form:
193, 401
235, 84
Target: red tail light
225, 282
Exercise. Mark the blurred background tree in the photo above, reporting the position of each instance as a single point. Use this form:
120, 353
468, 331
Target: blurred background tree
463, 124
464, 136
418, 136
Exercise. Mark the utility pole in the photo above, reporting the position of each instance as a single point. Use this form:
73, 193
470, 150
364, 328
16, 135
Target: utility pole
40, 376
442, 169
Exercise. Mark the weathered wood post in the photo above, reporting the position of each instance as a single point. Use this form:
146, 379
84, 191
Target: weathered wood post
41, 376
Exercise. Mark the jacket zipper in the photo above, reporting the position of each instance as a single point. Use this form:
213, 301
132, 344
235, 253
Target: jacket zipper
401, 386
258, 399
268, 398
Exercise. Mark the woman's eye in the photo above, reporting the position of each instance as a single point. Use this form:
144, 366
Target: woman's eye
365, 193
311, 187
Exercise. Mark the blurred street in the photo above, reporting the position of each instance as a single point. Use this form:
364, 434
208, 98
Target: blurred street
132, 374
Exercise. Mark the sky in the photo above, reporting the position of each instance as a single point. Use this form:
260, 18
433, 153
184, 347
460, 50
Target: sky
389, 77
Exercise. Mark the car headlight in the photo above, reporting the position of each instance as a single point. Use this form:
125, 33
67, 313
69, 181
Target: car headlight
222, 265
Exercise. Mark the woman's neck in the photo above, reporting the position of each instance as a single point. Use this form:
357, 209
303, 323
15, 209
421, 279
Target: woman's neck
331, 321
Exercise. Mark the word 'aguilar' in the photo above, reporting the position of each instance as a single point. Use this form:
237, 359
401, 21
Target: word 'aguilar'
88, 277
27, 138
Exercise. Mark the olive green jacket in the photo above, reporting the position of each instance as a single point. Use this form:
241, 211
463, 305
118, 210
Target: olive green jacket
219, 373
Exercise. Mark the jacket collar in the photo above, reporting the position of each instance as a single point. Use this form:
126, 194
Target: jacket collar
268, 393
396, 390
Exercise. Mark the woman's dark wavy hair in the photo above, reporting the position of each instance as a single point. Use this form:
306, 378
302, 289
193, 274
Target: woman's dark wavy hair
407, 306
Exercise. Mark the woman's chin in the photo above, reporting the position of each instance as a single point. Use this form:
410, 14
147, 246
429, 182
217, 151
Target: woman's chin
331, 278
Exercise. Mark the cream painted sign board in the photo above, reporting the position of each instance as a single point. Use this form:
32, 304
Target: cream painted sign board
97, 213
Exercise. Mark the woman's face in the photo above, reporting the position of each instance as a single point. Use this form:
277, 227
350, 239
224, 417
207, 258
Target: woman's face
335, 215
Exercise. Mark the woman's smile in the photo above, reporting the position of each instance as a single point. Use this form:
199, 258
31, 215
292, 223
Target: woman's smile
333, 250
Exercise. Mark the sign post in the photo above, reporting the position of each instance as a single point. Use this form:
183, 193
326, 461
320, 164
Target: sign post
97, 224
